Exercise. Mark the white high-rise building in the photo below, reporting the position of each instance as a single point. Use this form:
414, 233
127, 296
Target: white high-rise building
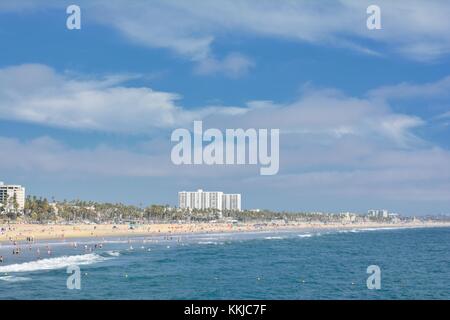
8, 193
200, 199
231, 202
209, 200
378, 213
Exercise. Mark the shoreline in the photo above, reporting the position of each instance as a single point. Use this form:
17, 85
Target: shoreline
20, 232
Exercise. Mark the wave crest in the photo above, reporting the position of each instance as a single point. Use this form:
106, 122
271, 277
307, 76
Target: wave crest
14, 279
53, 263
113, 253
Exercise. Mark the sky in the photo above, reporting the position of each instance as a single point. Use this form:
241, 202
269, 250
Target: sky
364, 115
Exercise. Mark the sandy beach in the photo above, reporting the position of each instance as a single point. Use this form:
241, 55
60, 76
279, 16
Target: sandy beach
20, 232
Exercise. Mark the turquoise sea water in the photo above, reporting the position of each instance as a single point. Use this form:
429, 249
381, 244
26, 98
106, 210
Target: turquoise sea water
415, 264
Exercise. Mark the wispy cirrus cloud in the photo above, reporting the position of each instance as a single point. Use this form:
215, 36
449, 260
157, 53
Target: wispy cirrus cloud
431, 90
414, 29
233, 65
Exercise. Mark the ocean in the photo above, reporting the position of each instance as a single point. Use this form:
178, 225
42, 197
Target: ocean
314, 264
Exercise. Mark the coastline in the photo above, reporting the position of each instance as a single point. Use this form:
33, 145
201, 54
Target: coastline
20, 232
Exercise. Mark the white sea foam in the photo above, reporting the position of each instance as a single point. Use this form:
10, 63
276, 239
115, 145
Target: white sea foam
307, 235
14, 279
207, 242
113, 253
274, 238
358, 230
379, 229
116, 241
53, 263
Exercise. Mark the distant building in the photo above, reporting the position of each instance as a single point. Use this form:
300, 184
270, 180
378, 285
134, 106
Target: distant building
54, 206
379, 213
209, 200
231, 202
349, 216
394, 217
200, 200
8, 193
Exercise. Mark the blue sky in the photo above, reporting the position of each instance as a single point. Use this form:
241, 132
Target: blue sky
364, 114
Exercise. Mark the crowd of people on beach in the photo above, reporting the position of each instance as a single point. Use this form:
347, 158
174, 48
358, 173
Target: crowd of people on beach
18, 248
12, 234
26, 245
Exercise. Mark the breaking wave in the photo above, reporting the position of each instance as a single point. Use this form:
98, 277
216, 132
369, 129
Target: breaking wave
274, 238
14, 279
358, 230
113, 253
208, 242
307, 235
53, 263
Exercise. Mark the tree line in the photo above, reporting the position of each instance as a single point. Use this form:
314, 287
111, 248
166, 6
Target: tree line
76, 211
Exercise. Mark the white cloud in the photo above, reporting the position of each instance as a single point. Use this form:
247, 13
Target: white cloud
383, 184
416, 29
403, 91
161, 24
46, 155
331, 144
233, 65
325, 115
413, 28
36, 93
